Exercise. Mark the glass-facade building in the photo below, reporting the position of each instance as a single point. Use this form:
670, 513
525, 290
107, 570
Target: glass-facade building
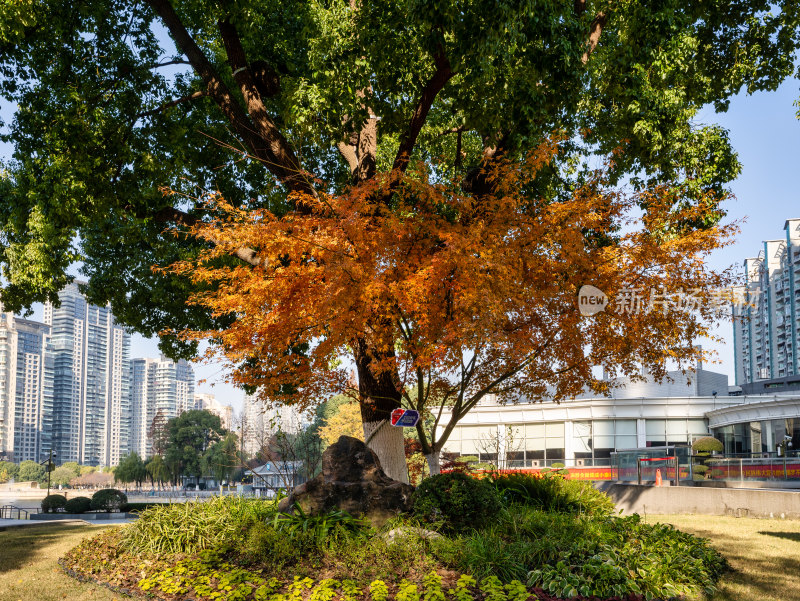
91, 370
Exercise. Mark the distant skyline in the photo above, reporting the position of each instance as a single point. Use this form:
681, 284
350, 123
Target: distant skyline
764, 131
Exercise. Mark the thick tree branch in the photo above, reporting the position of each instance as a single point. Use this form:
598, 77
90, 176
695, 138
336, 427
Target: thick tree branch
277, 146
348, 152
271, 149
594, 35
435, 84
171, 103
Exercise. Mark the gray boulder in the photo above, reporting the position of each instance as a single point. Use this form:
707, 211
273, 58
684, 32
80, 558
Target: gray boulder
351, 480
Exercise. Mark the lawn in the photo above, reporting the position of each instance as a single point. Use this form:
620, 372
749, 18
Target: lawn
764, 554
29, 565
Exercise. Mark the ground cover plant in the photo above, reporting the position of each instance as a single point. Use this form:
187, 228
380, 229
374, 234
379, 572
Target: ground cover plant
548, 538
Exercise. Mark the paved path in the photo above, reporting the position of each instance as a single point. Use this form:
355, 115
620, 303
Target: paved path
14, 524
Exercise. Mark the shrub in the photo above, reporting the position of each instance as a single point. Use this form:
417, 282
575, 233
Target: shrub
108, 499
553, 492
78, 505
320, 525
707, 444
456, 502
191, 527
626, 556
139, 507
52, 503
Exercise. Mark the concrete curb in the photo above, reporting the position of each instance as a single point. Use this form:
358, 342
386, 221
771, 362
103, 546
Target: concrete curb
16, 525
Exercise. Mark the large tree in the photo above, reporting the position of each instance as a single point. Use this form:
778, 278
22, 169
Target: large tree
267, 102
190, 437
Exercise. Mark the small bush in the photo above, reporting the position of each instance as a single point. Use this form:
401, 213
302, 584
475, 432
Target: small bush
52, 503
700, 469
320, 525
707, 444
456, 502
267, 546
108, 499
139, 507
553, 492
78, 505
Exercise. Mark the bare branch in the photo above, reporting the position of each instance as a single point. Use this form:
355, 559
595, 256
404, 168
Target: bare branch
286, 165
171, 103
435, 84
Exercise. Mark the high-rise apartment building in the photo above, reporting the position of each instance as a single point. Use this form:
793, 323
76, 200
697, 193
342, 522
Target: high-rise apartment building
25, 389
209, 402
91, 370
160, 390
260, 422
765, 329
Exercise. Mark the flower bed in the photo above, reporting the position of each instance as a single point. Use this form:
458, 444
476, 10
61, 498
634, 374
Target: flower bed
234, 549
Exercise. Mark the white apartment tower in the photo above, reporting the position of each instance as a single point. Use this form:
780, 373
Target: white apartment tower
260, 422
25, 389
159, 387
209, 402
765, 330
91, 362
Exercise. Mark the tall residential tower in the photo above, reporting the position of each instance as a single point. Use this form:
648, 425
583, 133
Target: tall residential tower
26, 407
91, 362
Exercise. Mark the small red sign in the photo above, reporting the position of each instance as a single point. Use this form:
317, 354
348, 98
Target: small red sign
396, 415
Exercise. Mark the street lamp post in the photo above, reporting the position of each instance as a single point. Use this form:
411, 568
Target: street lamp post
50, 469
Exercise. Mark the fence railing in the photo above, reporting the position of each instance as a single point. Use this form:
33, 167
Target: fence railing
753, 468
10, 512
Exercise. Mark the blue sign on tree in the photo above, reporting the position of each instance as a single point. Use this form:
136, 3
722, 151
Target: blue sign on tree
405, 418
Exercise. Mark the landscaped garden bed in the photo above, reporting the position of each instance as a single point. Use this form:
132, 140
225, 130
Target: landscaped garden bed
500, 539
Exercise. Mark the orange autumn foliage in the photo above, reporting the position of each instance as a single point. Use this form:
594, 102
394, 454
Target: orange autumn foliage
474, 295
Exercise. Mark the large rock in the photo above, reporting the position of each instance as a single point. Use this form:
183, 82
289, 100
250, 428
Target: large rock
351, 480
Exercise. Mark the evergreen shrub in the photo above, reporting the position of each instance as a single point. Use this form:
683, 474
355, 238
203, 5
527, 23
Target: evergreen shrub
553, 492
52, 503
707, 444
78, 505
108, 499
455, 502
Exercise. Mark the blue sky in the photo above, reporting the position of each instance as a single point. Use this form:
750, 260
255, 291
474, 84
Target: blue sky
764, 130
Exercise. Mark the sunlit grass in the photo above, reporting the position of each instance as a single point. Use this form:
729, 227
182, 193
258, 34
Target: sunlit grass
764, 554
29, 568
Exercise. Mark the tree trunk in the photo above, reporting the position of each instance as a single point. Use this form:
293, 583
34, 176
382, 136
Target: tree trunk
434, 466
379, 395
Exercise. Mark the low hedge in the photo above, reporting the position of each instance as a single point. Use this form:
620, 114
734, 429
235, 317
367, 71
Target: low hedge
78, 505
52, 503
108, 499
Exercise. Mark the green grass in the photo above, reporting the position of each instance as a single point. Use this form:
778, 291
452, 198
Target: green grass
764, 554
29, 568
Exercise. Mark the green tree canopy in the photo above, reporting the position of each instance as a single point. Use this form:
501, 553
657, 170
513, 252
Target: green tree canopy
8, 471
131, 468
74, 466
190, 436
116, 100
222, 459
158, 470
30, 470
62, 475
